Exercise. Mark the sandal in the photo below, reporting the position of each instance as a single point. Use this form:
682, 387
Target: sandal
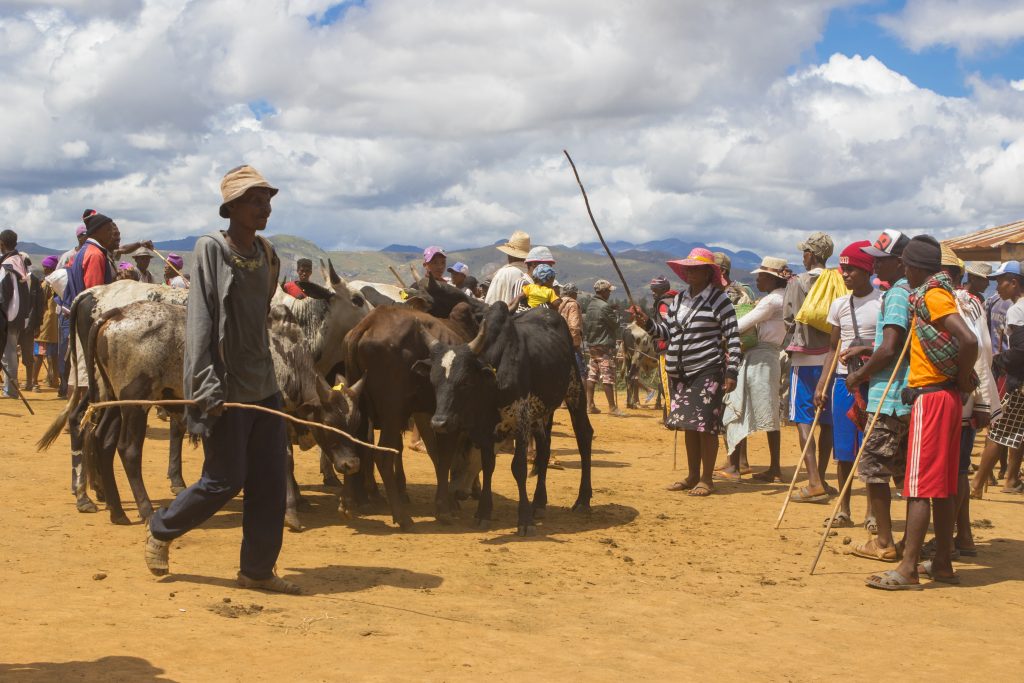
892, 580
928, 551
727, 476
679, 486
804, 495
871, 524
926, 567
275, 584
840, 521
157, 552
701, 490
1019, 488
767, 477
967, 552
870, 551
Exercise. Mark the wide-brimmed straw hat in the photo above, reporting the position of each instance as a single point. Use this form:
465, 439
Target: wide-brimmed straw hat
140, 252
698, 257
518, 245
237, 181
771, 265
978, 269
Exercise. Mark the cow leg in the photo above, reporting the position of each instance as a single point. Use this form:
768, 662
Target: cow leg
177, 430
485, 507
330, 477
100, 447
584, 439
542, 437
439, 447
291, 514
392, 438
133, 435
519, 466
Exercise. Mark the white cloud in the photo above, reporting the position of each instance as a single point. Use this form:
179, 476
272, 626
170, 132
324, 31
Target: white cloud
417, 122
968, 25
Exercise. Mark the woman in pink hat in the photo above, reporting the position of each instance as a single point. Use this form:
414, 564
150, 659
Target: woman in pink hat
700, 320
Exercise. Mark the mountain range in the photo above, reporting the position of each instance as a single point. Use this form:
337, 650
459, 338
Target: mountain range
583, 263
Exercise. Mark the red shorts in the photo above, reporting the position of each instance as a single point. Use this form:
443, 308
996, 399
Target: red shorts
933, 445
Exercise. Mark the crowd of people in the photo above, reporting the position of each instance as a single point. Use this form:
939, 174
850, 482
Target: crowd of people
897, 357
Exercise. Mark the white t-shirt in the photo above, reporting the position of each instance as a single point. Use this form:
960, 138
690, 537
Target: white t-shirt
1015, 313
868, 307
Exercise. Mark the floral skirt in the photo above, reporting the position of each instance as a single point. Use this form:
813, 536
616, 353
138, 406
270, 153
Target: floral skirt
695, 402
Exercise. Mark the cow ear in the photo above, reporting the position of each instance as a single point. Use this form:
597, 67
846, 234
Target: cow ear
421, 368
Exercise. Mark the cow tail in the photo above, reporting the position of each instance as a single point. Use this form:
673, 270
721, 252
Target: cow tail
54, 430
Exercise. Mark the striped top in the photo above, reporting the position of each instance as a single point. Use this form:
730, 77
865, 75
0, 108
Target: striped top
695, 328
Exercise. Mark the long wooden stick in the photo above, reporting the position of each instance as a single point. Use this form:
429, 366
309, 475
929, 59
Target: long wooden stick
860, 452
244, 406
397, 276
810, 439
675, 447
615, 264
17, 390
180, 274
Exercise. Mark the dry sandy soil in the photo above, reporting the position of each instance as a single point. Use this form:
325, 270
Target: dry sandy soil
651, 584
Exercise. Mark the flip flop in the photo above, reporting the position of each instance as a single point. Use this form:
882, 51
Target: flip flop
840, 521
870, 551
766, 478
679, 486
892, 580
727, 476
1019, 488
805, 496
928, 551
701, 490
926, 567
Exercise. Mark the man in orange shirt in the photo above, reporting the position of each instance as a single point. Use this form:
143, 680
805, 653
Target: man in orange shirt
943, 350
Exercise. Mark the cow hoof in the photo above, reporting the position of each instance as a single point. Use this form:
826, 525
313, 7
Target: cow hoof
444, 518
539, 513
119, 518
346, 511
100, 496
178, 489
406, 524
291, 521
483, 524
527, 530
581, 506
85, 505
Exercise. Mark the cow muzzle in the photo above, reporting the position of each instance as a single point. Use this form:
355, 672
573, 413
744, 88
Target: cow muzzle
441, 424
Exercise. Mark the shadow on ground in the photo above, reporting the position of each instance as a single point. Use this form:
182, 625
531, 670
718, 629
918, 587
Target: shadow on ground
133, 669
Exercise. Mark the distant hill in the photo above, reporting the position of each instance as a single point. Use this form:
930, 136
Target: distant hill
179, 245
402, 249
34, 249
741, 260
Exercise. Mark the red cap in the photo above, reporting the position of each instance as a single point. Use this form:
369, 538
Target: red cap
854, 256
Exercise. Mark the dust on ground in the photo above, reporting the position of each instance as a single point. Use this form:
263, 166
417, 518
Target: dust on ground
650, 584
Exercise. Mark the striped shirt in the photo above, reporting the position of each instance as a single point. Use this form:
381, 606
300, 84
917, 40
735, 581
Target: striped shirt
695, 328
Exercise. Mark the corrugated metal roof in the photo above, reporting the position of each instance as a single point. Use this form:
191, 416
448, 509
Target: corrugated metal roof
989, 238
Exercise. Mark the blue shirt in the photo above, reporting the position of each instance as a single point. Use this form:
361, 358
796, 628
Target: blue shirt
896, 312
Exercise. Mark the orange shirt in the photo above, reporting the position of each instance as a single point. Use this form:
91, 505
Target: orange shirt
923, 373
94, 266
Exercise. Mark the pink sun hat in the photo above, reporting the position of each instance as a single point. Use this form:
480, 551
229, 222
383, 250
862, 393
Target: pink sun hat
698, 257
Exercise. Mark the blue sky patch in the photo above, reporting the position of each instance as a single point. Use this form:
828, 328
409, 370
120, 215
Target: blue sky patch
262, 109
334, 13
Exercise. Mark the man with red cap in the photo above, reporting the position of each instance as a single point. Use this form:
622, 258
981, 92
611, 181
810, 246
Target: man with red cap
853, 318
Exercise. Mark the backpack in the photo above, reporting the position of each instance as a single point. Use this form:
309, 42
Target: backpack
827, 288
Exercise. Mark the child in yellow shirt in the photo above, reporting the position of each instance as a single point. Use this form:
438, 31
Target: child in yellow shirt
541, 291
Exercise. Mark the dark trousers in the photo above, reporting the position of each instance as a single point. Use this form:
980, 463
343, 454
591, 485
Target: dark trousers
245, 450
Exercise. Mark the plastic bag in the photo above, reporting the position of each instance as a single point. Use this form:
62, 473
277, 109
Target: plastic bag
827, 288
748, 339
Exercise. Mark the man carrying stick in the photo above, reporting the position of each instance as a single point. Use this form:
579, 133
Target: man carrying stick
227, 359
943, 350
884, 456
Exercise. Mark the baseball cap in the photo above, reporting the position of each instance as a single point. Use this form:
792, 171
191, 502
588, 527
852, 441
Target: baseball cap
889, 243
1006, 268
458, 267
819, 244
430, 252
603, 285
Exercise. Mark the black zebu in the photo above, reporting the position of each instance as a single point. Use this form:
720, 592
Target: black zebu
508, 381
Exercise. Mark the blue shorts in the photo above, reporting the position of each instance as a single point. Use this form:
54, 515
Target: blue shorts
846, 438
802, 383
966, 447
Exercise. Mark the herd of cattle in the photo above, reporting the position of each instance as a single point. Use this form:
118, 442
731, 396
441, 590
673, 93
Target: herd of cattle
467, 375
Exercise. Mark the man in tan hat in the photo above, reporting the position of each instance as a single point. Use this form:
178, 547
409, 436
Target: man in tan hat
227, 359
507, 283
739, 294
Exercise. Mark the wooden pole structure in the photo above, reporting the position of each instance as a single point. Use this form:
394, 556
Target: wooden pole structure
615, 264
17, 390
856, 461
803, 455
397, 276
244, 406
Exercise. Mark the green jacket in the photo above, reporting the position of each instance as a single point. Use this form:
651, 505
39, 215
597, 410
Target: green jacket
600, 326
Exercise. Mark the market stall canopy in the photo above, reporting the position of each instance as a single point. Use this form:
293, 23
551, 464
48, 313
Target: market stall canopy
1001, 243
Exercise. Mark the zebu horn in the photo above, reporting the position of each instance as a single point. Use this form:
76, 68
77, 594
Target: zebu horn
431, 340
477, 345
335, 279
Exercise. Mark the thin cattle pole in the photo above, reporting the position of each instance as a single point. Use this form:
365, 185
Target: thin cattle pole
180, 274
397, 276
803, 455
17, 390
856, 461
675, 447
615, 264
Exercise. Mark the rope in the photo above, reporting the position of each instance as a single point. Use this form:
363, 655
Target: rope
243, 406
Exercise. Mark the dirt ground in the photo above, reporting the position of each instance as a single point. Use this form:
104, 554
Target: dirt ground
651, 585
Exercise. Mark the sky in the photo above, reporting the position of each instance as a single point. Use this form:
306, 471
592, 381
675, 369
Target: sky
742, 124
